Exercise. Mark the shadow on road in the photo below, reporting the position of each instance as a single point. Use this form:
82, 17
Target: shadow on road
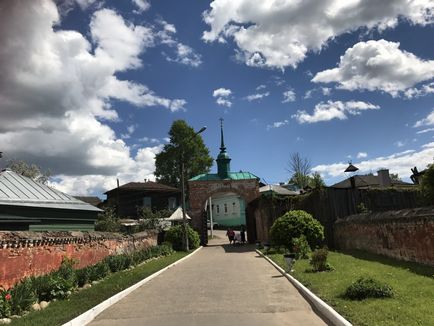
235, 248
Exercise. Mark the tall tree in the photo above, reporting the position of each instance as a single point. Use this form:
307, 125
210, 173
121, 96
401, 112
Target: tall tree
299, 169
184, 145
31, 171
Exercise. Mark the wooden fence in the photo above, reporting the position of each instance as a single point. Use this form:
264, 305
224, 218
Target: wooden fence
327, 205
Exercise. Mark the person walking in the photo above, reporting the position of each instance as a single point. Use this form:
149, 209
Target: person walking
230, 234
243, 235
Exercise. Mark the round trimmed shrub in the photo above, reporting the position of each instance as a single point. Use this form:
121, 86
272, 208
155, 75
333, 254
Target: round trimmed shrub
175, 235
293, 225
365, 288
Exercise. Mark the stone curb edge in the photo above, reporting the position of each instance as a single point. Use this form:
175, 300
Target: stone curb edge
89, 315
323, 308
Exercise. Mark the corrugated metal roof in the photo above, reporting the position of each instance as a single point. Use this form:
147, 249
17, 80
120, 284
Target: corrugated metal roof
17, 190
232, 176
277, 190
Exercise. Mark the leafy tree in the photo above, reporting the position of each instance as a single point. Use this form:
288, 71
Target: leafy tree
108, 221
195, 155
152, 220
316, 181
293, 225
299, 168
31, 171
427, 185
395, 177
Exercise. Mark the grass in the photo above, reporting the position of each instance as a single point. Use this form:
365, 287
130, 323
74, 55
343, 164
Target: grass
62, 311
413, 285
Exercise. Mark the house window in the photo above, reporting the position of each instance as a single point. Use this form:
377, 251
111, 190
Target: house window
172, 203
147, 202
233, 208
218, 209
226, 208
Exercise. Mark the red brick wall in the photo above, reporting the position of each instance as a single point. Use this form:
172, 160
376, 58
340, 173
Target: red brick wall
405, 234
24, 254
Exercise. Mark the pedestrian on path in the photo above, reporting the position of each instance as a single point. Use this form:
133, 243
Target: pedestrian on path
243, 235
231, 235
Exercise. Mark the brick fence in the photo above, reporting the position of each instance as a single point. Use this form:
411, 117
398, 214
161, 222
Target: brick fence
24, 254
406, 234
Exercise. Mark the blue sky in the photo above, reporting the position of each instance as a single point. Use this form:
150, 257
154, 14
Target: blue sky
90, 88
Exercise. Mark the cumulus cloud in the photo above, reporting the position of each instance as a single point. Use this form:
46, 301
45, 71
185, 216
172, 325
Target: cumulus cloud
56, 88
428, 121
280, 33
399, 163
278, 124
326, 111
223, 96
257, 96
378, 65
288, 96
362, 155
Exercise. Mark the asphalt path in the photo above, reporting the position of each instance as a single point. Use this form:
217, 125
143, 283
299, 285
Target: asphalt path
219, 285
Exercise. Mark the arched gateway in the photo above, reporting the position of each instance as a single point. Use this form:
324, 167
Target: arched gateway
231, 192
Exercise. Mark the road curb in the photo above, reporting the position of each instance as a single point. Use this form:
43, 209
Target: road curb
89, 315
323, 308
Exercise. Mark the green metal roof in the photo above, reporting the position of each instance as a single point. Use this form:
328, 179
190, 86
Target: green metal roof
232, 176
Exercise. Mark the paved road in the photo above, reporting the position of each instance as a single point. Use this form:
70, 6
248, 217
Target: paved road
219, 285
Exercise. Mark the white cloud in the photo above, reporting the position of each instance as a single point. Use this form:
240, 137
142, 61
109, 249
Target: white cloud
257, 96
221, 92
142, 5
280, 33
261, 87
151, 140
428, 121
56, 88
399, 143
425, 131
184, 54
288, 96
378, 65
278, 124
329, 110
362, 155
399, 163
222, 96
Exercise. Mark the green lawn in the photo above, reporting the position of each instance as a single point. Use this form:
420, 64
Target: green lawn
62, 311
413, 284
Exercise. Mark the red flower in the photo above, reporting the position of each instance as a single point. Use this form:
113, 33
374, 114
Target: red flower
8, 296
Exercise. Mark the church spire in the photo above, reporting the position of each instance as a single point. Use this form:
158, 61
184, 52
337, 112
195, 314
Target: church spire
223, 159
222, 144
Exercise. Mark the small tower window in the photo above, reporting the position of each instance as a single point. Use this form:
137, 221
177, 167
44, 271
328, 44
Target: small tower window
226, 208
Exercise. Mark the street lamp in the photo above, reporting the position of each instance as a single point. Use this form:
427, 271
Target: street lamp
184, 216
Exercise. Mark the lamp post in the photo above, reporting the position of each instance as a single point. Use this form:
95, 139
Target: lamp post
184, 216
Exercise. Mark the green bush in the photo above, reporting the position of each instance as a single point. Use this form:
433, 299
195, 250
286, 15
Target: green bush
368, 288
300, 247
118, 262
22, 297
67, 273
293, 225
83, 276
51, 286
98, 271
175, 236
318, 260
5, 303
